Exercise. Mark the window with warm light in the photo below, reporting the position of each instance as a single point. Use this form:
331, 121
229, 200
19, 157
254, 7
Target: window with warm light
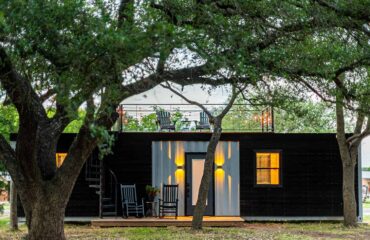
60, 158
268, 168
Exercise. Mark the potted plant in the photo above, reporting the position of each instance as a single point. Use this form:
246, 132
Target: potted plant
151, 192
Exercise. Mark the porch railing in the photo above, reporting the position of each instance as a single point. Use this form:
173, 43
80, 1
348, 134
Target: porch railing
241, 117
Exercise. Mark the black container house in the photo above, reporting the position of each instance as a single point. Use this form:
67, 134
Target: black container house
258, 176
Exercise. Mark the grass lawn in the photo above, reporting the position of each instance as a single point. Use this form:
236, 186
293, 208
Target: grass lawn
366, 204
6, 206
3, 223
256, 231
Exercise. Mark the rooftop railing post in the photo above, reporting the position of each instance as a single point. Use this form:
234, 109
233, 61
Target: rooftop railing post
268, 119
263, 120
121, 117
272, 120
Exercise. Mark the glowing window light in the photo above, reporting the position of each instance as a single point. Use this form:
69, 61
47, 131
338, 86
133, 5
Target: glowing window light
59, 158
267, 168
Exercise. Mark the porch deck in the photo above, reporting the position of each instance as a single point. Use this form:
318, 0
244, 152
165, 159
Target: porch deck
183, 221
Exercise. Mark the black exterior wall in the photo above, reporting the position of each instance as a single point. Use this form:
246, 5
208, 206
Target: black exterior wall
311, 172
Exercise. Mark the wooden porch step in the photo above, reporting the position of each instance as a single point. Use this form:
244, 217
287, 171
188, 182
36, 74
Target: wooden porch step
167, 221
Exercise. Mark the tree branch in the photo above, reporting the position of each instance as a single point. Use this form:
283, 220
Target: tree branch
19, 90
186, 76
123, 14
7, 156
234, 95
357, 137
341, 132
47, 95
359, 123
363, 16
209, 114
172, 17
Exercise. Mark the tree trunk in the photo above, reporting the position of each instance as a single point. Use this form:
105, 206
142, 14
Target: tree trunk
200, 207
13, 207
349, 158
349, 199
45, 220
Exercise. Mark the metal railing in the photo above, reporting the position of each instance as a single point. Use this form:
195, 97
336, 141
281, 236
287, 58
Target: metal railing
241, 117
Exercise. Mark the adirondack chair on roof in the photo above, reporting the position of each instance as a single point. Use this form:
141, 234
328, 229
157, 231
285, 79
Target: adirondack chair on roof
170, 200
164, 121
130, 202
203, 122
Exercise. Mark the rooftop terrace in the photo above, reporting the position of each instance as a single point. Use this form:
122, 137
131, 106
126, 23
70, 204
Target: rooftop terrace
187, 117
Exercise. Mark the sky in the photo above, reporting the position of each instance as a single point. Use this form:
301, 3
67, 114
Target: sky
159, 95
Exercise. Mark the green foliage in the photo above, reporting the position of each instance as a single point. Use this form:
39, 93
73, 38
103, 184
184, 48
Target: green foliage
151, 191
176, 118
9, 123
9, 120
105, 140
69, 47
305, 117
242, 117
290, 117
3, 187
75, 125
146, 123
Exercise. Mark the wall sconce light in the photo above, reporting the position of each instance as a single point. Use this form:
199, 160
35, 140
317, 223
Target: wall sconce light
219, 167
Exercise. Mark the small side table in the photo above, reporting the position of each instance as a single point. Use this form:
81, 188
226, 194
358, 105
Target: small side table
187, 125
151, 209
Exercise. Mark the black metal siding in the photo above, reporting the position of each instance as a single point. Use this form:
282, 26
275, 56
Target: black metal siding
311, 172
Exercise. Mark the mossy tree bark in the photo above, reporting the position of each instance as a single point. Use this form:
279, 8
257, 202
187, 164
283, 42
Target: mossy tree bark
348, 148
13, 207
207, 176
